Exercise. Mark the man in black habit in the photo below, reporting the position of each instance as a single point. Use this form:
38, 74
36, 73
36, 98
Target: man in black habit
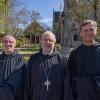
12, 71
84, 64
46, 72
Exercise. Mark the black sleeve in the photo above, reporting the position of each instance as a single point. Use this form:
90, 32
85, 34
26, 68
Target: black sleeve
16, 81
70, 62
28, 89
14, 84
68, 95
67, 83
6, 92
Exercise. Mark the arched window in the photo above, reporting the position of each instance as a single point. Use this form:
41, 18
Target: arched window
75, 37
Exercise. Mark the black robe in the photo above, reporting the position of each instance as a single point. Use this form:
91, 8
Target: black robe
84, 68
12, 75
39, 67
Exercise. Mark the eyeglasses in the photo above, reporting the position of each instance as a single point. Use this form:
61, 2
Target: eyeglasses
50, 40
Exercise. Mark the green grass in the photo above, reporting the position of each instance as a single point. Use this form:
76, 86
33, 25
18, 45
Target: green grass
26, 52
26, 59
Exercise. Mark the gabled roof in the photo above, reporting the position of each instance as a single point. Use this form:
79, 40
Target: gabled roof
34, 28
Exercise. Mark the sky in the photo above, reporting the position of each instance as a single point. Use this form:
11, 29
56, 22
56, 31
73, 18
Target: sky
45, 8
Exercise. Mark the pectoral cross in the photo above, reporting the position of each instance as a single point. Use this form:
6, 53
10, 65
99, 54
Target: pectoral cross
47, 83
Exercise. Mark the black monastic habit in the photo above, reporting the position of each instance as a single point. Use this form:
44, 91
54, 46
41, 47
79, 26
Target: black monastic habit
84, 68
40, 67
12, 75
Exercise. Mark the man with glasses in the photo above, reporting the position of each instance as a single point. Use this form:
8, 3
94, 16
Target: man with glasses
46, 77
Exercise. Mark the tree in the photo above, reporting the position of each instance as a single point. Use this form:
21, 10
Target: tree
2, 15
18, 16
86, 9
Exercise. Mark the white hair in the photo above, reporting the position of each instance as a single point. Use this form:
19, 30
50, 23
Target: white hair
49, 33
6, 36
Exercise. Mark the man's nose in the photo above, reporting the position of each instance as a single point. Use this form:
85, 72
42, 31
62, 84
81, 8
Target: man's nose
48, 41
89, 31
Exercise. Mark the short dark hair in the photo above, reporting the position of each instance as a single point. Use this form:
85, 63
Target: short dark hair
88, 22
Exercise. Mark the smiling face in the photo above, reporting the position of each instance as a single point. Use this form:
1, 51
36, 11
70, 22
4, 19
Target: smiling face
88, 32
47, 42
9, 44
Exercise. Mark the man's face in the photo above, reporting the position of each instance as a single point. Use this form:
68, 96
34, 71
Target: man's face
88, 32
47, 43
9, 44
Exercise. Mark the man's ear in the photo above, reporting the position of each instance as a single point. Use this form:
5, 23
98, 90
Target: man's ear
15, 44
81, 33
